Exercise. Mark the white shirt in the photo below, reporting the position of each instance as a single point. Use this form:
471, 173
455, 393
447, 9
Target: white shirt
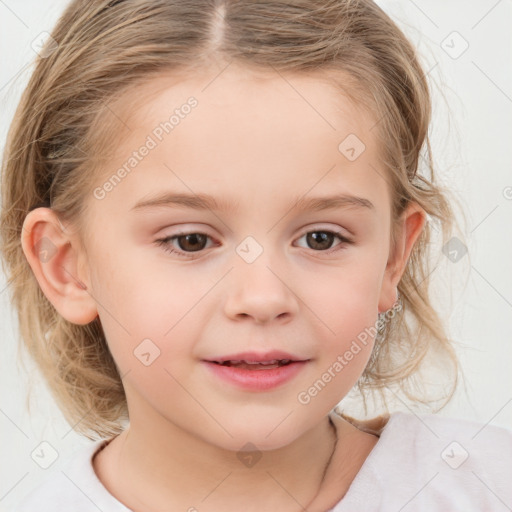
420, 463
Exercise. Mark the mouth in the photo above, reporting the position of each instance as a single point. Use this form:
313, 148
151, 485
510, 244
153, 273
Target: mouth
263, 365
254, 361
254, 372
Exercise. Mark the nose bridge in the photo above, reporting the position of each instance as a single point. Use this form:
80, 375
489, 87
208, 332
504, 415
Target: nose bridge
256, 287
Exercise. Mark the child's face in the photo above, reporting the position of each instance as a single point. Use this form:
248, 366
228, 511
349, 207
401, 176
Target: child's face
257, 146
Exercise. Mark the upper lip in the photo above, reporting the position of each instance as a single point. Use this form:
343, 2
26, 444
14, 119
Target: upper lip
255, 357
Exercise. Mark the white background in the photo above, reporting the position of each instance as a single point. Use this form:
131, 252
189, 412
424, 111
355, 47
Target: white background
472, 134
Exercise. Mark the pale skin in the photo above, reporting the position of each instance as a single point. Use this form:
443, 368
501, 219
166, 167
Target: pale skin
255, 143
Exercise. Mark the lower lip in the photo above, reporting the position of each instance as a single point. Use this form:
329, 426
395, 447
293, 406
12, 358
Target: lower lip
257, 380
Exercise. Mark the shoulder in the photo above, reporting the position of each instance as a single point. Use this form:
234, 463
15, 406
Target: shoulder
427, 428
461, 442
75, 487
436, 463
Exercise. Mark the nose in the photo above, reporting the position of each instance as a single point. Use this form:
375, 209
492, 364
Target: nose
259, 293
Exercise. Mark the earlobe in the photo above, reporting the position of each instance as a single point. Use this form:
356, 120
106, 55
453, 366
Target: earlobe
411, 225
53, 254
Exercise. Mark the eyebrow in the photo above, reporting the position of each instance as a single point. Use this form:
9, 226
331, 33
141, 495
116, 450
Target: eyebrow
207, 202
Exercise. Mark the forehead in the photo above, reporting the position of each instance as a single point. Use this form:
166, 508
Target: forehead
253, 133
238, 96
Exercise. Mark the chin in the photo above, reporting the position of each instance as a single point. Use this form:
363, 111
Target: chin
264, 434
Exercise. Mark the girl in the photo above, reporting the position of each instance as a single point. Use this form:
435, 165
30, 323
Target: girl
215, 226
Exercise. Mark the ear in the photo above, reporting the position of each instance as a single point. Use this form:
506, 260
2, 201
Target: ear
56, 259
409, 228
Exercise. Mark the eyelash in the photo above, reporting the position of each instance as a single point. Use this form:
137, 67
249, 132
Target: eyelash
165, 243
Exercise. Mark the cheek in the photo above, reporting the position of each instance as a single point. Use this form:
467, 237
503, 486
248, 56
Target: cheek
348, 313
345, 298
148, 317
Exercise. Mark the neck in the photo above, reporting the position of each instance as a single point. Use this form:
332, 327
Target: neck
170, 468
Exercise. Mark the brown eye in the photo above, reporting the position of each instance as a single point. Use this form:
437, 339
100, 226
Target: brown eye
320, 240
191, 242
184, 244
323, 241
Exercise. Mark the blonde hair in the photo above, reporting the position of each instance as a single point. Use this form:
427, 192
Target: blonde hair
106, 48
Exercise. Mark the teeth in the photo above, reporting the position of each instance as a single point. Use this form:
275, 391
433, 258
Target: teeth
273, 361
266, 363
